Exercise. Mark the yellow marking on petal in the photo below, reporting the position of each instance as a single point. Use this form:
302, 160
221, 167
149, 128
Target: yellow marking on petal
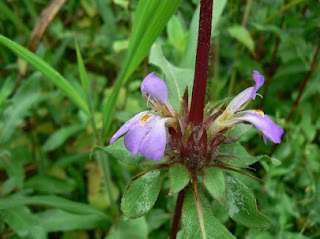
260, 112
144, 119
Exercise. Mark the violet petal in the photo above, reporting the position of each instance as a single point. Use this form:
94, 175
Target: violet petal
271, 131
126, 127
155, 88
154, 144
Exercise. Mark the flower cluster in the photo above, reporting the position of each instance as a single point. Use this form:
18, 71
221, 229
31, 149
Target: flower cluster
147, 132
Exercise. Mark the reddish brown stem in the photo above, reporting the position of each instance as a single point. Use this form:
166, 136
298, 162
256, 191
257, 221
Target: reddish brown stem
202, 59
305, 81
273, 67
177, 214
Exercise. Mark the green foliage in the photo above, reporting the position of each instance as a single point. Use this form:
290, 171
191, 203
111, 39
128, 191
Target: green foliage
179, 178
141, 194
47, 70
242, 205
151, 18
242, 35
214, 181
176, 78
49, 187
191, 221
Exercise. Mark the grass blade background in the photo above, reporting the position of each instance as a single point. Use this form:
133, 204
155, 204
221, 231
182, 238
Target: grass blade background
48, 71
152, 17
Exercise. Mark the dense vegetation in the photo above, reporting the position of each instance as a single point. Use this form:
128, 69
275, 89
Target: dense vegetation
56, 180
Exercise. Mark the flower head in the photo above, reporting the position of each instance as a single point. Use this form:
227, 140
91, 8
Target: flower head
146, 132
233, 114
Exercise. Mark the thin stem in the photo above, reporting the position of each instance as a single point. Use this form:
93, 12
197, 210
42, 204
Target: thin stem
305, 81
202, 60
273, 65
234, 70
177, 214
103, 161
313, 65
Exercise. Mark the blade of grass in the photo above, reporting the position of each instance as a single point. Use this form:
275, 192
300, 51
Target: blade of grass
151, 18
48, 71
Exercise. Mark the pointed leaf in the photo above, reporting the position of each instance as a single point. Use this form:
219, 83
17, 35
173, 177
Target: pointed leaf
176, 78
141, 195
242, 205
23, 222
150, 19
82, 71
191, 226
48, 71
214, 181
179, 178
242, 35
27, 96
119, 151
57, 220
134, 228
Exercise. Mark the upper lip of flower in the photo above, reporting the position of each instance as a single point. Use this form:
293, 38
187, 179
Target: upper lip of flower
231, 115
146, 132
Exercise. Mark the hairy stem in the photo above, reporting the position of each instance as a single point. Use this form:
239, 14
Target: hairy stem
202, 60
177, 214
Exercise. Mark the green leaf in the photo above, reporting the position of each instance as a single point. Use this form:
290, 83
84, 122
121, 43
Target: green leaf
242, 206
239, 131
179, 178
23, 222
177, 34
60, 136
27, 96
119, 151
176, 78
190, 220
7, 87
214, 181
82, 71
141, 194
50, 185
189, 57
50, 201
57, 220
48, 71
242, 35
243, 158
150, 19
133, 228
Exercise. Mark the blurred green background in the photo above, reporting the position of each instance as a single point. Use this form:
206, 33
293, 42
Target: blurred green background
45, 140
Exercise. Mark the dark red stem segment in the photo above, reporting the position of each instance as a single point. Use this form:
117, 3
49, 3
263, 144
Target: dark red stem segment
177, 214
202, 60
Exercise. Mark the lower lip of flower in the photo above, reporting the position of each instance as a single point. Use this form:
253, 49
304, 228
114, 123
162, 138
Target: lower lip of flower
260, 112
144, 119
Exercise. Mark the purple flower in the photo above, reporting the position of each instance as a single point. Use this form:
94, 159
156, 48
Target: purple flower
146, 132
231, 116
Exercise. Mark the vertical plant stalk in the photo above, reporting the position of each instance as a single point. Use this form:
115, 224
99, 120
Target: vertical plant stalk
103, 161
237, 54
313, 65
305, 81
202, 60
273, 65
177, 213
